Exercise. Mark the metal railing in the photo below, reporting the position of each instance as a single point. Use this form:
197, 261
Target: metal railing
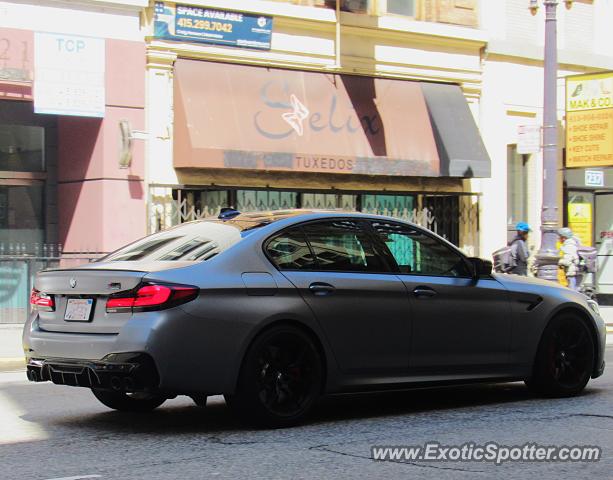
19, 263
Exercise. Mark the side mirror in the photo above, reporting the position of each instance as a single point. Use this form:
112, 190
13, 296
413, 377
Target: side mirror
480, 267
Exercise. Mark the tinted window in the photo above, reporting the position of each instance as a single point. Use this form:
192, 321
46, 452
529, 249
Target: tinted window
193, 249
141, 249
289, 251
190, 241
342, 245
420, 254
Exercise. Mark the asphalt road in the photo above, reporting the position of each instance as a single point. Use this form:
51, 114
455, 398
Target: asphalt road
49, 432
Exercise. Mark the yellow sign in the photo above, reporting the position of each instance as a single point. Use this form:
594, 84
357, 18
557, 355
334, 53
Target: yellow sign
589, 120
589, 92
580, 212
580, 221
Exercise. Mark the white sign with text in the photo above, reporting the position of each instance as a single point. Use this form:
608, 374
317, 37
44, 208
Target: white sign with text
69, 75
528, 139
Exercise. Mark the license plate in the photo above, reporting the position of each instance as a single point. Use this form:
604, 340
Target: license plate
78, 309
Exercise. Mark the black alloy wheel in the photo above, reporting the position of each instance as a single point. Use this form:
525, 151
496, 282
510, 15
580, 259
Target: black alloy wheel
565, 358
280, 378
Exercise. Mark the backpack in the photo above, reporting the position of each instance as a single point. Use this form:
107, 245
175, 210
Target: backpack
588, 259
503, 260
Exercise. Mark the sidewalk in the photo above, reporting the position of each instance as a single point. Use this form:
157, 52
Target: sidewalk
11, 355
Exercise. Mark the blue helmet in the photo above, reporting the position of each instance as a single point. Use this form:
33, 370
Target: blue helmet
522, 227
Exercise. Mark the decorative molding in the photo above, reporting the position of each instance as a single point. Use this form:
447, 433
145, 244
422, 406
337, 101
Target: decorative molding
160, 59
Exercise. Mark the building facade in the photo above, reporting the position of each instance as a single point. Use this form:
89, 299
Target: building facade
70, 74
368, 108
512, 100
124, 117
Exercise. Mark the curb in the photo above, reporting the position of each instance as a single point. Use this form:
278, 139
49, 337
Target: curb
12, 364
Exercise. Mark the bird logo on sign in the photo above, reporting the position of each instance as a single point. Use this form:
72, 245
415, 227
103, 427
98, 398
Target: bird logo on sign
295, 117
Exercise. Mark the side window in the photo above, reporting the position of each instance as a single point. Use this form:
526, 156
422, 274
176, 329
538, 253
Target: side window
420, 254
342, 245
289, 251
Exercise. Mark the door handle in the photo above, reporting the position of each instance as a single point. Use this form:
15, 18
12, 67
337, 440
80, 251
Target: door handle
321, 288
424, 292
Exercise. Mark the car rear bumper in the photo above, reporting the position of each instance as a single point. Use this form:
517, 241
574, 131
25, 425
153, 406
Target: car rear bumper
127, 372
190, 354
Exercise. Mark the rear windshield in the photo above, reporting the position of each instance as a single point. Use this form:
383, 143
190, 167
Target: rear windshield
195, 241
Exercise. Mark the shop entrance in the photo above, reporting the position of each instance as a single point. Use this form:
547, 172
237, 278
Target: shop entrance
604, 243
588, 214
454, 216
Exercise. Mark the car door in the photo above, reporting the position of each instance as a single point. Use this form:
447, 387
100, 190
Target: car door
362, 308
459, 323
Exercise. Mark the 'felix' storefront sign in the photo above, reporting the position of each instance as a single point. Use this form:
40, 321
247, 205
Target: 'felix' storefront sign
206, 25
239, 117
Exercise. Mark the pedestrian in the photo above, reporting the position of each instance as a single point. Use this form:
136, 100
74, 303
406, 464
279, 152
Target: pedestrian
569, 260
519, 250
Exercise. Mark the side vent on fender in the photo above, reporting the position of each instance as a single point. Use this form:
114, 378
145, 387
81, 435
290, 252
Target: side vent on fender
531, 301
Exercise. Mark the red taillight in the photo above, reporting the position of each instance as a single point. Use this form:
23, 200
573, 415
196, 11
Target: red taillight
41, 301
151, 297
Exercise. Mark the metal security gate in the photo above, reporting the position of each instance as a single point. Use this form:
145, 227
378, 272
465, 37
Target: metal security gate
454, 216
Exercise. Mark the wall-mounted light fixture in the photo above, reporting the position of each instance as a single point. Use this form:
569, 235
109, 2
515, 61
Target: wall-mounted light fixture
126, 140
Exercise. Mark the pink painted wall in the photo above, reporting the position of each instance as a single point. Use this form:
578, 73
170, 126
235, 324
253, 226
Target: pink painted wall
101, 206
17, 55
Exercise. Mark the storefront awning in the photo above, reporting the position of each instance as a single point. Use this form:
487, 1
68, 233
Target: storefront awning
243, 117
459, 144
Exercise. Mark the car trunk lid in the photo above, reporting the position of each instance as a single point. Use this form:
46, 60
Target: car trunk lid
87, 288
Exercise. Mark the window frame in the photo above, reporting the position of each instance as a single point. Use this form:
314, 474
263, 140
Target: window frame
365, 227
390, 256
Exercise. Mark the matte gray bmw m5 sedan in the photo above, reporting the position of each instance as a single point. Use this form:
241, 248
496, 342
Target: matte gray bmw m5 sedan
275, 309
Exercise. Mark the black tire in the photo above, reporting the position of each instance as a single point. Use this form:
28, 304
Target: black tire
565, 358
280, 379
129, 402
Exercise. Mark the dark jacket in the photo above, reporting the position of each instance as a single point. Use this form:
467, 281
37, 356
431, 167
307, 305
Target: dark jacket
519, 256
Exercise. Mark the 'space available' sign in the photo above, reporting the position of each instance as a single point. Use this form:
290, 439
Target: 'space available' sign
206, 25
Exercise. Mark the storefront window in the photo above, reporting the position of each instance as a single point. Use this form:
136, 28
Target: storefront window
21, 217
401, 7
517, 186
399, 206
22, 148
260, 200
327, 201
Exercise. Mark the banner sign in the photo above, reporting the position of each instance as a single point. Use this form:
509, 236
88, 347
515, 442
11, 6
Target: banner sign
589, 120
206, 25
580, 221
69, 75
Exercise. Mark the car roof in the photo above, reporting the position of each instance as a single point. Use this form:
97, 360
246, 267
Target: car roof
278, 219
249, 220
